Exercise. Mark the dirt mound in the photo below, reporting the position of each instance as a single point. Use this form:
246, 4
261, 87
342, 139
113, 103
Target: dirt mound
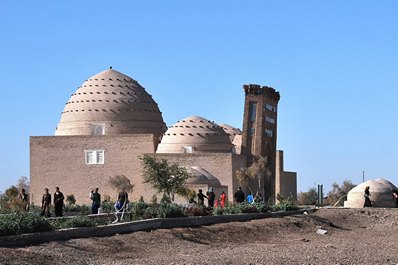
354, 236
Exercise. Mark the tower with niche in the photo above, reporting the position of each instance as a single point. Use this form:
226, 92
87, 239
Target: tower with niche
260, 130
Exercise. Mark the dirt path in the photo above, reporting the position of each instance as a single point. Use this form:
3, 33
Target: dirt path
354, 236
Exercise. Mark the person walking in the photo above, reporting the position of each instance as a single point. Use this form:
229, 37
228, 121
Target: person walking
250, 198
46, 203
239, 195
367, 203
58, 202
223, 199
25, 199
201, 198
96, 198
211, 196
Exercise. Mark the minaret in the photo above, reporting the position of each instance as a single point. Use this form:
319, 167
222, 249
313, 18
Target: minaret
260, 130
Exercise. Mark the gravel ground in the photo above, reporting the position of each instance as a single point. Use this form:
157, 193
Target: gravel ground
354, 236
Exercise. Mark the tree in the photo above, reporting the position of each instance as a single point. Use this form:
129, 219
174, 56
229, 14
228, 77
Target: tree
257, 171
121, 183
307, 198
338, 193
165, 178
10, 200
23, 183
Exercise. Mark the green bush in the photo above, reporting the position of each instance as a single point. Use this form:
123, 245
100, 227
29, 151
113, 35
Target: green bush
171, 210
22, 223
77, 221
107, 206
247, 208
285, 206
75, 208
137, 210
261, 207
150, 212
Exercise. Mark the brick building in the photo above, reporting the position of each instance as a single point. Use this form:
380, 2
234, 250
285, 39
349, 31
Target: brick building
111, 120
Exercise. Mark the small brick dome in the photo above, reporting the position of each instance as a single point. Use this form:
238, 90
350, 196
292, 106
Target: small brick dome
195, 135
110, 103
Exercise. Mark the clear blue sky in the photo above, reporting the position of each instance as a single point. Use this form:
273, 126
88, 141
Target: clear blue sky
334, 63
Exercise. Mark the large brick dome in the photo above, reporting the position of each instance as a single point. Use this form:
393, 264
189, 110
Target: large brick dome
110, 103
195, 135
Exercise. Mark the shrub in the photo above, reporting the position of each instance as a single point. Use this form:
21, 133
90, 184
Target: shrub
107, 206
70, 199
261, 207
198, 211
150, 212
72, 208
286, 205
22, 223
247, 208
77, 221
170, 210
138, 210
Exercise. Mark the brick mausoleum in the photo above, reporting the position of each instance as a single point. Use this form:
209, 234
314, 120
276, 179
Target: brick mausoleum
111, 120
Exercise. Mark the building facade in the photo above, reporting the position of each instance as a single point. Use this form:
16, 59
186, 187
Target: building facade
111, 121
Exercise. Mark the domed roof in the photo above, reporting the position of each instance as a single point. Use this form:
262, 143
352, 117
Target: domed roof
110, 103
380, 191
202, 176
195, 135
213, 181
196, 177
231, 131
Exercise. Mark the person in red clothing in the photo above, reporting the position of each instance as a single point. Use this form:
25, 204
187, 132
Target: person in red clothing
223, 199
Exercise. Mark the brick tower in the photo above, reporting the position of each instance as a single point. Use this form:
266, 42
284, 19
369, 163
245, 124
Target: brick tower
260, 130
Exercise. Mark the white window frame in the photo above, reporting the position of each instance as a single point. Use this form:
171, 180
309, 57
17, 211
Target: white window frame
188, 149
97, 156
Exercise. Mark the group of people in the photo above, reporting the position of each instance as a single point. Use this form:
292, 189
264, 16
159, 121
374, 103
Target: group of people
58, 203
211, 198
239, 197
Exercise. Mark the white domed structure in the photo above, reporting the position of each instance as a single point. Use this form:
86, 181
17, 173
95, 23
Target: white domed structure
380, 191
110, 103
195, 135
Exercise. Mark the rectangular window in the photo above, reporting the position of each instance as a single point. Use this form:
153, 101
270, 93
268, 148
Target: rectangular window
94, 157
252, 111
269, 133
270, 107
97, 129
270, 120
188, 149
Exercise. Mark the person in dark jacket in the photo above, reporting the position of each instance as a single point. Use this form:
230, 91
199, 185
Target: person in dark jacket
201, 198
58, 202
211, 196
96, 198
367, 203
46, 203
239, 195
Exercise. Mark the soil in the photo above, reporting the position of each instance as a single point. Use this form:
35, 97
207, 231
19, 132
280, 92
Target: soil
354, 236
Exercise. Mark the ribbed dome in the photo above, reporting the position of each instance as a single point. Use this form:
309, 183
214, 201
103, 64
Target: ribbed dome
197, 135
231, 131
202, 176
110, 103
